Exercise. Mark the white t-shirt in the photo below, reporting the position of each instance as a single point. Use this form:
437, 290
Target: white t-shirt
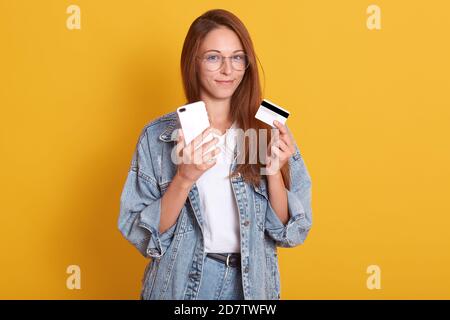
217, 202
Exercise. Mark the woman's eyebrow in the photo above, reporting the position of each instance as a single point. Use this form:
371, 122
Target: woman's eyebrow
220, 51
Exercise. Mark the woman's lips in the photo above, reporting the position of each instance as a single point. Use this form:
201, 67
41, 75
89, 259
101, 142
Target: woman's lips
225, 83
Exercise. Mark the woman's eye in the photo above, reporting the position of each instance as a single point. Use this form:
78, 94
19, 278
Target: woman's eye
212, 58
238, 58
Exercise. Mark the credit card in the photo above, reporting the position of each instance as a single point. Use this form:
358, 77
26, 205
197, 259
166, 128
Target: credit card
269, 111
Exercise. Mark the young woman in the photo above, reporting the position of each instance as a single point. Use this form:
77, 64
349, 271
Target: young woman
212, 226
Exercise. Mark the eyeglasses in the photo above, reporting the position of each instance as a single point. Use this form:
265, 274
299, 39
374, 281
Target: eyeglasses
214, 61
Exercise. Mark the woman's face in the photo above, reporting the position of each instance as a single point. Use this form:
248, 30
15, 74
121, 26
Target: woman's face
225, 42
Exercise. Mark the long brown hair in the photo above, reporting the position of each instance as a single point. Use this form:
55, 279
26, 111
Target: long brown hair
247, 97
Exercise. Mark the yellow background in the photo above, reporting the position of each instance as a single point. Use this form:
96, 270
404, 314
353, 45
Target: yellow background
370, 111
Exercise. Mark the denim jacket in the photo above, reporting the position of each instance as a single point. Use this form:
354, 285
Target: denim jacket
175, 270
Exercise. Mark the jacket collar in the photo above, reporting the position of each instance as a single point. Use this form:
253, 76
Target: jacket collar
168, 134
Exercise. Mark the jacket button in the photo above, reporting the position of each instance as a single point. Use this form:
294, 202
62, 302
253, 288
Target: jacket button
246, 269
246, 223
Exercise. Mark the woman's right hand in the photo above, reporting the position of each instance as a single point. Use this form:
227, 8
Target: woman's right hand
194, 160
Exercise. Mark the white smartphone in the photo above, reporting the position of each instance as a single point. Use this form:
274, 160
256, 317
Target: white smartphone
193, 119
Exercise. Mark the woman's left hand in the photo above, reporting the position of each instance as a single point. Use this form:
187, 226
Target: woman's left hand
280, 149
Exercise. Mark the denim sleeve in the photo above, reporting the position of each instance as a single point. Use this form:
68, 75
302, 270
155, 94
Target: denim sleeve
299, 206
140, 206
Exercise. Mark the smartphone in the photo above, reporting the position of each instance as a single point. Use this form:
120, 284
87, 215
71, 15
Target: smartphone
193, 119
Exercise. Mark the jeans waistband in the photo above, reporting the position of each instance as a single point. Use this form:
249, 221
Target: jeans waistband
229, 259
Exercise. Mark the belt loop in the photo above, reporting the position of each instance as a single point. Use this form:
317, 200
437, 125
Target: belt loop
228, 259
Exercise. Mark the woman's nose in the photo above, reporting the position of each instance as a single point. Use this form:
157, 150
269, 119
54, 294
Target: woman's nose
226, 66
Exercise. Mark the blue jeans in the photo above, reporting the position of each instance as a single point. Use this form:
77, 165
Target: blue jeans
220, 282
